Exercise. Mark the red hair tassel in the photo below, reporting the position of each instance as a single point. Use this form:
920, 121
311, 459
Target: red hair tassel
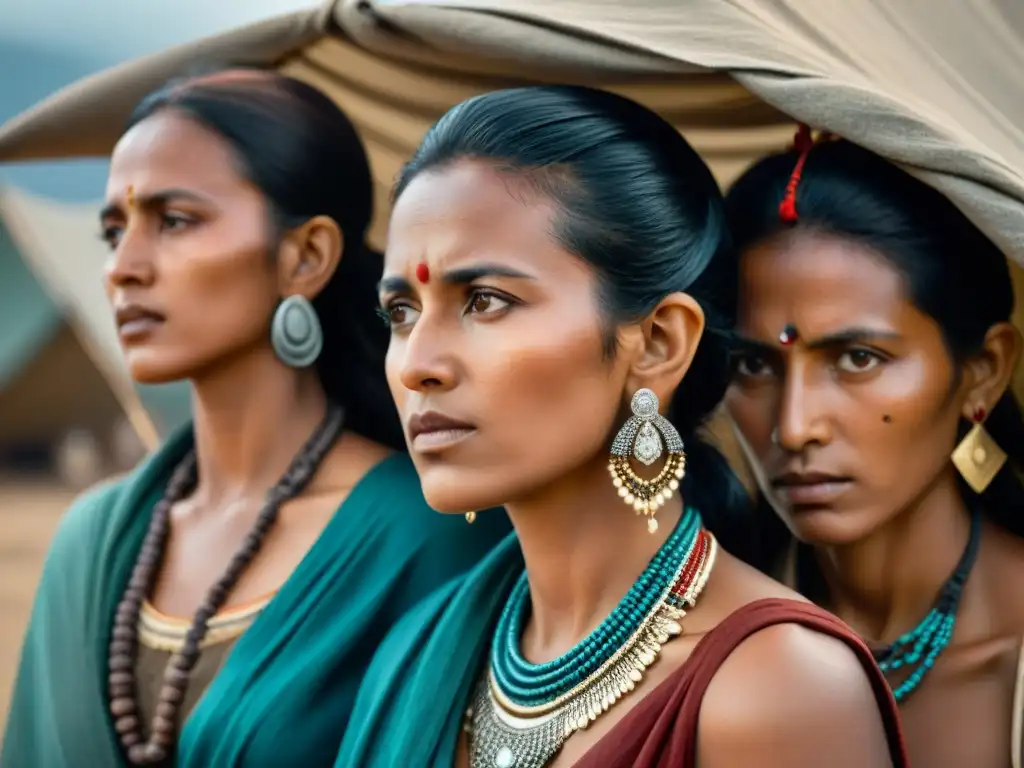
803, 142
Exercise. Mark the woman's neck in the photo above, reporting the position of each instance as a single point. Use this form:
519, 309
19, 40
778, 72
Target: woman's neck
583, 549
251, 418
885, 584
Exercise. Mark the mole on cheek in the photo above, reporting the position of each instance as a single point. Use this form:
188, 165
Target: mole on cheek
887, 419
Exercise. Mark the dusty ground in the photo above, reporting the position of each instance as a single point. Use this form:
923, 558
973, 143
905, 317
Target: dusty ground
29, 513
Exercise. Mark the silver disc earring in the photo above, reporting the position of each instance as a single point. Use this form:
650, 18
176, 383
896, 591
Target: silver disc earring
295, 332
646, 436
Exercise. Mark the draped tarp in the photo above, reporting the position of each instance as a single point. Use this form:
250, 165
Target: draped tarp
934, 86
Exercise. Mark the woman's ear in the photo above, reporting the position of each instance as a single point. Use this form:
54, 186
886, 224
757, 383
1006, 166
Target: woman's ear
309, 256
989, 373
669, 338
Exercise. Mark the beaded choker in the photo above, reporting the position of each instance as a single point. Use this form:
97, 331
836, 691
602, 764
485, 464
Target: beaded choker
921, 646
156, 747
523, 713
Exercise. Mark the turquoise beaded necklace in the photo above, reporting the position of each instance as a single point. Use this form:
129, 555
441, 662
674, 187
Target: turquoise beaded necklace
531, 685
921, 646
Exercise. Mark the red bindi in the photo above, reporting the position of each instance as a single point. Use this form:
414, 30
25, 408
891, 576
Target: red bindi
422, 272
788, 335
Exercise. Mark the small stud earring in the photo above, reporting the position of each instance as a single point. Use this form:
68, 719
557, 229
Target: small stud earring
645, 436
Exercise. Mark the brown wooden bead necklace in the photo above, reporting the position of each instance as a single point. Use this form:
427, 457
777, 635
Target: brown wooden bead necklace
157, 750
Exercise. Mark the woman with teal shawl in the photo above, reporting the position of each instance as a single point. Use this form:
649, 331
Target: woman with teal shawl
556, 269
288, 396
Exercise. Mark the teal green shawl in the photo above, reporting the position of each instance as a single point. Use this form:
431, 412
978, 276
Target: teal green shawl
410, 707
285, 691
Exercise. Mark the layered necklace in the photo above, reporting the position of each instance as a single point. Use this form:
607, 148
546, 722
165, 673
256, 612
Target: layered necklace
522, 713
156, 747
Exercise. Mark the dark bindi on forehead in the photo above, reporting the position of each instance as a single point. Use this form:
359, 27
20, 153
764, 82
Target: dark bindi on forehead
788, 335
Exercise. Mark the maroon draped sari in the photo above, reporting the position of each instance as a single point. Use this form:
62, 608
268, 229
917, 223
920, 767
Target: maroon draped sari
661, 730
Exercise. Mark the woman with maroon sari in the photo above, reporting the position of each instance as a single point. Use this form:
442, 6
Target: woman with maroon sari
556, 270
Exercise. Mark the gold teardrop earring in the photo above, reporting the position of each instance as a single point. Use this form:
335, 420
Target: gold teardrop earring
978, 457
645, 436
471, 517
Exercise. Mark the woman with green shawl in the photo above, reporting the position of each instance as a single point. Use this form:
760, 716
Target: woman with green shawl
218, 606
557, 269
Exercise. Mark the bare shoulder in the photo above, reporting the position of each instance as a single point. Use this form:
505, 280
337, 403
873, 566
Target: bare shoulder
790, 696
735, 583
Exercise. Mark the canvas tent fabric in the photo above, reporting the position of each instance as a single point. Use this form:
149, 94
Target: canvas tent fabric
49, 386
62, 260
28, 316
939, 93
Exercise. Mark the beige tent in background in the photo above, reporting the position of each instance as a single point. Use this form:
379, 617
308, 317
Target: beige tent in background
58, 244
939, 92
65, 397
58, 241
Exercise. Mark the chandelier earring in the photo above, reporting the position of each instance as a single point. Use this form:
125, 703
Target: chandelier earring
647, 436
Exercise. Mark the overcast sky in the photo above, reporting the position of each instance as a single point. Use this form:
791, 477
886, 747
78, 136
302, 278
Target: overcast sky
46, 44
114, 30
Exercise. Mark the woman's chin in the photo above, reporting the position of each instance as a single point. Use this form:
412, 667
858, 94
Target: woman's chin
149, 369
447, 504
452, 497
829, 528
